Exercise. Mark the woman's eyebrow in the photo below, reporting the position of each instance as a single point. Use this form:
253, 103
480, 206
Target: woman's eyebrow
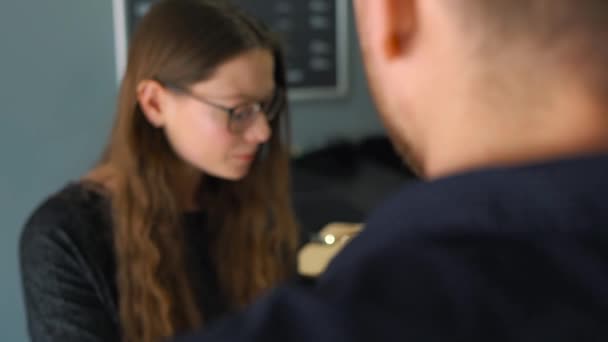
243, 98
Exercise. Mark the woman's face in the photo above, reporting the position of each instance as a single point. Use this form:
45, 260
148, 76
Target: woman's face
201, 133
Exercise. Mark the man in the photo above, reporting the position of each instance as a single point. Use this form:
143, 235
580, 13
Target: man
502, 106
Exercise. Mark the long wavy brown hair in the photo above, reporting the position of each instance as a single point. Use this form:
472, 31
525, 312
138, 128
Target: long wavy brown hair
182, 42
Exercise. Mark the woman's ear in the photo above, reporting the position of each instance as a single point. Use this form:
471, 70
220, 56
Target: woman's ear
151, 97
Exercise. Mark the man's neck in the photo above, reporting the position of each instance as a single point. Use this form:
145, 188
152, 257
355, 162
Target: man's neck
484, 144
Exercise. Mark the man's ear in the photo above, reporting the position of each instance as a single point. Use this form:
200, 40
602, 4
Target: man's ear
400, 24
385, 26
151, 97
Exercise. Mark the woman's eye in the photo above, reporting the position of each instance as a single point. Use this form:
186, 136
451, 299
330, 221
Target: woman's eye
241, 114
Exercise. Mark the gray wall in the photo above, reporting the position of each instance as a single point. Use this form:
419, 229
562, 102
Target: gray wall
57, 91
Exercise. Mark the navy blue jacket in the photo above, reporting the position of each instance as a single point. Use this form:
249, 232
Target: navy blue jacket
509, 254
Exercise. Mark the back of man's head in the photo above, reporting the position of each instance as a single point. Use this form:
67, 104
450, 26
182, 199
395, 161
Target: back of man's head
573, 34
466, 84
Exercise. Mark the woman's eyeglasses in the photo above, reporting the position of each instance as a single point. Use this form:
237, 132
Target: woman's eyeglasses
241, 117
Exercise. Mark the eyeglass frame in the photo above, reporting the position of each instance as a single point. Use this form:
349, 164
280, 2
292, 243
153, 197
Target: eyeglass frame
270, 114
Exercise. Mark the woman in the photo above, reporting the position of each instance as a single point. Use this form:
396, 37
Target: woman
187, 215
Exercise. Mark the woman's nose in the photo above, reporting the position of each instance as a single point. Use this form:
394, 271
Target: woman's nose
259, 132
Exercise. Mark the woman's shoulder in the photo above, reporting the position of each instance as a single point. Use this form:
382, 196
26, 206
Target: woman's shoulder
78, 214
67, 264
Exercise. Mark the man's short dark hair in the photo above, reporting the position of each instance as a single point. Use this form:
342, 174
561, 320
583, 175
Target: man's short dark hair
572, 31
542, 19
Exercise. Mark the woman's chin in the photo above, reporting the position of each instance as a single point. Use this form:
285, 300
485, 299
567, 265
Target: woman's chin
235, 175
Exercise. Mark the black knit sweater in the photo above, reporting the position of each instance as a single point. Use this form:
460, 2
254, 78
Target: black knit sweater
69, 271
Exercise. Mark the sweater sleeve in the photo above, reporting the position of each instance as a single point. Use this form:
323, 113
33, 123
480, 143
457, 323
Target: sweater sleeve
61, 299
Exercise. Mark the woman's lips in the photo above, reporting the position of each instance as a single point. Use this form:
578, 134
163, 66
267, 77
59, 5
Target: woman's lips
245, 157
